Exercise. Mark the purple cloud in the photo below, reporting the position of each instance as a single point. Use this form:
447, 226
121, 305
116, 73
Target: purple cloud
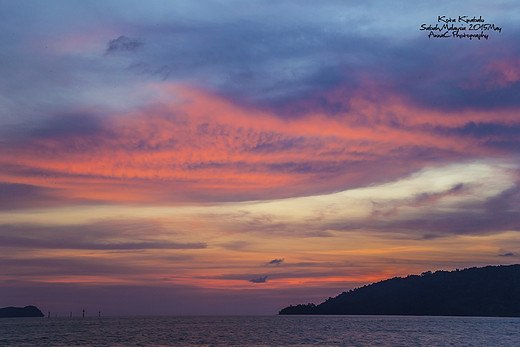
259, 280
123, 44
276, 262
97, 236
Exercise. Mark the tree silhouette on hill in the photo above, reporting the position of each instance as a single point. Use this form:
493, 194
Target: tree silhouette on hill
487, 291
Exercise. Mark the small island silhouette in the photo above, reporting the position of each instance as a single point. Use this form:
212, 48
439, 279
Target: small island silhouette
27, 311
492, 291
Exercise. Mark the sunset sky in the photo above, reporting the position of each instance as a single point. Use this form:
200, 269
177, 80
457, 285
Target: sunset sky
235, 157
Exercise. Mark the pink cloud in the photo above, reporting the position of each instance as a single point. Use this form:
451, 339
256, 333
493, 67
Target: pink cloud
192, 145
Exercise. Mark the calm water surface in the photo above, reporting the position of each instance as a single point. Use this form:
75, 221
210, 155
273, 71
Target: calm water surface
261, 331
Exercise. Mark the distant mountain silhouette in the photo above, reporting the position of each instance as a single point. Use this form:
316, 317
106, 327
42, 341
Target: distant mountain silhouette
489, 291
27, 311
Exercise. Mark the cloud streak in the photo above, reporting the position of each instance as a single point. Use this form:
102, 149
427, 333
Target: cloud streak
262, 279
276, 262
98, 236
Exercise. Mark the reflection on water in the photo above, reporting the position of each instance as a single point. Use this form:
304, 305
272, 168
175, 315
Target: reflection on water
262, 330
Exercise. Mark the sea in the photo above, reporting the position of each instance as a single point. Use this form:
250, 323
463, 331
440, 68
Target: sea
261, 331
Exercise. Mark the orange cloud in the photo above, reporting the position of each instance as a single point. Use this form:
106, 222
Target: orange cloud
192, 145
